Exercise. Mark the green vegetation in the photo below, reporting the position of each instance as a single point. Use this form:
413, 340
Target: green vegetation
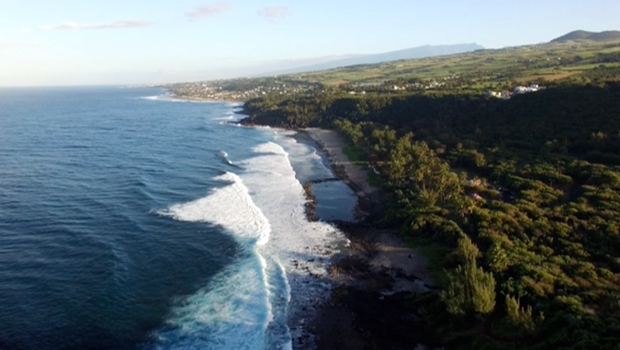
566, 62
355, 155
478, 71
523, 194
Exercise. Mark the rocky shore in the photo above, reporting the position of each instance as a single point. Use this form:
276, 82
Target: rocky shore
371, 281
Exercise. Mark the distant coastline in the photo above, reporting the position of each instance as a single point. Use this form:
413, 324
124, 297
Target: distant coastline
176, 97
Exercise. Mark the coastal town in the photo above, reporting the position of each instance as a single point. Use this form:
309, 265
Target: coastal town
518, 90
247, 89
237, 89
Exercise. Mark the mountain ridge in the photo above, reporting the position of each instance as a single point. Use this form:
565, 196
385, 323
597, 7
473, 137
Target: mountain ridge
586, 35
423, 51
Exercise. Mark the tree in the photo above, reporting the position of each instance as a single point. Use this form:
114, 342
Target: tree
497, 259
519, 317
415, 164
470, 288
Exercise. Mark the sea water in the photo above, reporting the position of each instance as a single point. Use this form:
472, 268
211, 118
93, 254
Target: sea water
129, 220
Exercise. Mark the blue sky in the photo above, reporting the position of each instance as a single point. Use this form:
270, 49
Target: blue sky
89, 42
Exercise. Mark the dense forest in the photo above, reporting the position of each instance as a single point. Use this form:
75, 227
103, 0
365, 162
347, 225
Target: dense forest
524, 194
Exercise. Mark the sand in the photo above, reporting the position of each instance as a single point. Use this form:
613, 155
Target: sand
366, 279
332, 144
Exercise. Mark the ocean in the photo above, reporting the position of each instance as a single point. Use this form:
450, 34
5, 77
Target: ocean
130, 220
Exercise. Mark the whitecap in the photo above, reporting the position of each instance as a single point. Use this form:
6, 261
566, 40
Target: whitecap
232, 312
247, 305
230, 207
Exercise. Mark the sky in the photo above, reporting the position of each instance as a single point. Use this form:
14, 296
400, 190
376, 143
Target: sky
128, 42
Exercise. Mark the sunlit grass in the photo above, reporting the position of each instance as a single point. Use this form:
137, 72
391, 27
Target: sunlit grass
554, 62
355, 155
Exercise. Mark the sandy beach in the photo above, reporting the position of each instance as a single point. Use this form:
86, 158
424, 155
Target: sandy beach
364, 278
332, 144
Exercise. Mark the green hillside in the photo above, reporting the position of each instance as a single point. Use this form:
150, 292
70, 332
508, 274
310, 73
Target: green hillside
482, 69
555, 63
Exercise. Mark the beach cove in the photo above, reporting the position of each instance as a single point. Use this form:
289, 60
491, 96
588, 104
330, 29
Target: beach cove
377, 266
373, 267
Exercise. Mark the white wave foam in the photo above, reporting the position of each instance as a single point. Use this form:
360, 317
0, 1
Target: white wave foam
230, 207
231, 313
172, 98
234, 310
247, 305
302, 247
270, 147
287, 287
230, 118
152, 98
309, 164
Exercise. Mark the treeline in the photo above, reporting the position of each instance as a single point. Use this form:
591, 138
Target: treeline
565, 120
525, 193
535, 240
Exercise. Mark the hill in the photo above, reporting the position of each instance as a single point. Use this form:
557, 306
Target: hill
406, 54
556, 63
585, 35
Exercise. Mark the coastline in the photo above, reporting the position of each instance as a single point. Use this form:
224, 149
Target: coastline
332, 144
175, 97
354, 176
368, 280
356, 293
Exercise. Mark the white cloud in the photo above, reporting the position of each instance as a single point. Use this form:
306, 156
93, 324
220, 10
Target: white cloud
273, 13
127, 23
5, 45
207, 10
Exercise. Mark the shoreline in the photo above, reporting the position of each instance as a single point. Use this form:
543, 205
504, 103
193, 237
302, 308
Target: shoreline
370, 279
331, 144
377, 268
175, 97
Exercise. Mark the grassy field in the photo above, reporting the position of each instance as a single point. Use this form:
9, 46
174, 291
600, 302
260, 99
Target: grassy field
550, 62
572, 62
355, 155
